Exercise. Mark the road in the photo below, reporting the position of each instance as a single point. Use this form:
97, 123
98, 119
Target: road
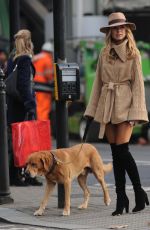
141, 155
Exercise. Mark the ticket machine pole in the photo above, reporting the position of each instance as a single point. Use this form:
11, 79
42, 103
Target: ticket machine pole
61, 109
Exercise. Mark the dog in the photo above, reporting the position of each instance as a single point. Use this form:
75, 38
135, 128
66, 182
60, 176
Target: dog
62, 166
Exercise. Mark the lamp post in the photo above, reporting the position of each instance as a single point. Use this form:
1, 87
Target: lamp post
4, 163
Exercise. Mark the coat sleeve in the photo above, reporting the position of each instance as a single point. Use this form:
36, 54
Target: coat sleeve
10, 66
95, 93
48, 69
138, 106
24, 83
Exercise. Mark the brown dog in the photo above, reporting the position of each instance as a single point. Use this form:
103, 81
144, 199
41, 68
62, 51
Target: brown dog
62, 166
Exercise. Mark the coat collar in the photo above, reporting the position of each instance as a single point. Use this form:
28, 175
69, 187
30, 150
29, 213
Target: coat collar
121, 50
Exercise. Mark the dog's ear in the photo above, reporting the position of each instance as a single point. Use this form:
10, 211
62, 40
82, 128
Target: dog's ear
45, 163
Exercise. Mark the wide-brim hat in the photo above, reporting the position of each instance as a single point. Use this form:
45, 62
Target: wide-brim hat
117, 19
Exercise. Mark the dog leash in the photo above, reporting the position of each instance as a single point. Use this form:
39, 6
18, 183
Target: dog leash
83, 141
58, 161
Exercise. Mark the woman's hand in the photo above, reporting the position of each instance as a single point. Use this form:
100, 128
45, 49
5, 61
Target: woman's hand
30, 115
88, 118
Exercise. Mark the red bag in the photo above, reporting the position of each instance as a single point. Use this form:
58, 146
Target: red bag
28, 137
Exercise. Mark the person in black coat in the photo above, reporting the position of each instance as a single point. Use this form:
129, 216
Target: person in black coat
18, 111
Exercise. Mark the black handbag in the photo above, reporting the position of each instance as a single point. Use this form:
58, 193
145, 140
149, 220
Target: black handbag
11, 85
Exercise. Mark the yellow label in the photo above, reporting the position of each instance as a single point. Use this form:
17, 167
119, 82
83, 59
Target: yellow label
55, 83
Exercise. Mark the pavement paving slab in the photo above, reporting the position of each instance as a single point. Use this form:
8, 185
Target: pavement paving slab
96, 216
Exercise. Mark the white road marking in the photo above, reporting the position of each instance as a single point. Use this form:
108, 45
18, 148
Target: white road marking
139, 162
128, 187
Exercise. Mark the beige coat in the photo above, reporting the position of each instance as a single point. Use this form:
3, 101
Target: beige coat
118, 90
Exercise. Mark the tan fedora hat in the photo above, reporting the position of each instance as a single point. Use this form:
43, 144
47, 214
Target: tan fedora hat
117, 19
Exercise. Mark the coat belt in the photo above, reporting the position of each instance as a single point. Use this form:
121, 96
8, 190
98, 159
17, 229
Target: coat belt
110, 90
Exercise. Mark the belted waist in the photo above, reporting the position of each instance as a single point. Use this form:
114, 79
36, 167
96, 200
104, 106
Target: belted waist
109, 92
111, 85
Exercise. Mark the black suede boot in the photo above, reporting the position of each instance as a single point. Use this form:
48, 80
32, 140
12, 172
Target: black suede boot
19, 179
141, 197
120, 181
33, 181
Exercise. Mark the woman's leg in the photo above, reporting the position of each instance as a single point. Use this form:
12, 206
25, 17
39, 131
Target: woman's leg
14, 172
119, 172
110, 133
124, 132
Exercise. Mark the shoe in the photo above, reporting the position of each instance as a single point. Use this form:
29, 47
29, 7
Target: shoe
17, 176
122, 203
33, 181
141, 199
19, 183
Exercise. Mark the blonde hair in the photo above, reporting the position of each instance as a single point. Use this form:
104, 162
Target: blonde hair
132, 49
23, 43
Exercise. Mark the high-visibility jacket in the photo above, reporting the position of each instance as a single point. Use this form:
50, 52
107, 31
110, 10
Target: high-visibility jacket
43, 63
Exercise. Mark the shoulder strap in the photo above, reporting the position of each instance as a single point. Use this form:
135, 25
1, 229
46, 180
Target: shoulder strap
15, 67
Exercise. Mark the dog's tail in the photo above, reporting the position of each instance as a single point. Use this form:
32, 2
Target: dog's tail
107, 167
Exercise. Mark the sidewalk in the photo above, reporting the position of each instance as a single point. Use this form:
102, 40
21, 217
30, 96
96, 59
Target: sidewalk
97, 216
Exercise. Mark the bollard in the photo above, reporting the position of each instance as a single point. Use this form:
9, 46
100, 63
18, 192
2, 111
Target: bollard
4, 165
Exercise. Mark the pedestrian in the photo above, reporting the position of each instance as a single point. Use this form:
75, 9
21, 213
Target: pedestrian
43, 63
117, 102
25, 109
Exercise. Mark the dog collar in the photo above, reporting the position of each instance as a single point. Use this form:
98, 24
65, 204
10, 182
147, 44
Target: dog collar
54, 163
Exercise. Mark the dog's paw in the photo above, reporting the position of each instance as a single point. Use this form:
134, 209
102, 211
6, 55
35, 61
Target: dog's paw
108, 202
82, 206
66, 212
38, 212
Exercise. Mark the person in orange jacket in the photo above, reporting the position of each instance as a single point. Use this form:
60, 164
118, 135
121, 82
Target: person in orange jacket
43, 63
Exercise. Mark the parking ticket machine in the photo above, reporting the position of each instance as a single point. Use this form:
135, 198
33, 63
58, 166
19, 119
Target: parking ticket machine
67, 81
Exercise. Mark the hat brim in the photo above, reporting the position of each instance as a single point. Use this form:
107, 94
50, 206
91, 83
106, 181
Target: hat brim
106, 28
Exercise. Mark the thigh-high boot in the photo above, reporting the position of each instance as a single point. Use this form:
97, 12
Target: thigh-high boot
141, 197
120, 181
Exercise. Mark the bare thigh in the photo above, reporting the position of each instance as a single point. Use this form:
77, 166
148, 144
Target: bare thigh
119, 133
123, 132
110, 133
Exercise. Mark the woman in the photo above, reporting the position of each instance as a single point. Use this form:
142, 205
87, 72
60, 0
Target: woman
118, 103
25, 109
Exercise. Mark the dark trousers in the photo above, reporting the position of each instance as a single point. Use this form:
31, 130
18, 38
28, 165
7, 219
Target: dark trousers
15, 173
